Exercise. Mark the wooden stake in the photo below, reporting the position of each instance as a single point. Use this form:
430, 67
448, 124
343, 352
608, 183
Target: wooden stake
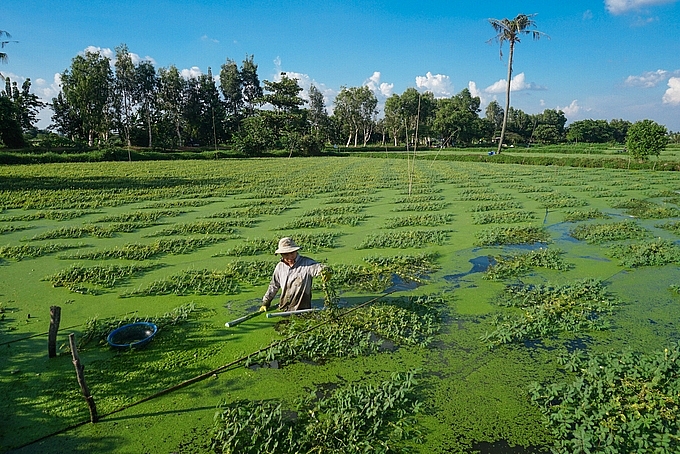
81, 378
55, 319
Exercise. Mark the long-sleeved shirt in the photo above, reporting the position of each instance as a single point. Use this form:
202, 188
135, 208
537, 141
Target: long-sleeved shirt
295, 283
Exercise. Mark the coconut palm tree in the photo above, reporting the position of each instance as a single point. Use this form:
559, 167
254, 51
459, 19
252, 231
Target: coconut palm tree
511, 31
3, 56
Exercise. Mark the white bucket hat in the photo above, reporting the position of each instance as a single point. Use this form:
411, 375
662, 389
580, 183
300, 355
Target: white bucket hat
286, 245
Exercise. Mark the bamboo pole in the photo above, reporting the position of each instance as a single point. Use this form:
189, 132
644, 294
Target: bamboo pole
81, 378
55, 319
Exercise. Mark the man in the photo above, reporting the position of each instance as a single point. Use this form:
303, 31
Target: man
293, 275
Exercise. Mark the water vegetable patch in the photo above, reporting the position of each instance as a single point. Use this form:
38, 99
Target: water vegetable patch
645, 209
205, 228
547, 310
657, 252
496, 236
505, 267
584, 215
627, 402
503, 217
30, 251
614, 231
135, 251
424, 220
354, 418
101, 276
497, 206
405, 239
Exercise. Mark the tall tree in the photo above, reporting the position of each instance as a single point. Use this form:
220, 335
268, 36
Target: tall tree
318, 115
87, 88
231, 85
27, 103
3, 43
394, 121
252, 90
646, 138
124, 93
146, 92
355, 109
511, 30
171, 88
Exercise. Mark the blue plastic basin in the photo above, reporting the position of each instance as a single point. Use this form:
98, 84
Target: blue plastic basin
133, 335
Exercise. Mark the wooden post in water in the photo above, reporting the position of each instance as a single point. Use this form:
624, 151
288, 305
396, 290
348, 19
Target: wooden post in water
81, 378
55, 319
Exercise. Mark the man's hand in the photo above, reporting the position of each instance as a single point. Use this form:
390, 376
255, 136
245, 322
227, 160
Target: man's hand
326, 274
263, 308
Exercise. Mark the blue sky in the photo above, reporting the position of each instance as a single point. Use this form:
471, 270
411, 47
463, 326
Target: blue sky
604, 59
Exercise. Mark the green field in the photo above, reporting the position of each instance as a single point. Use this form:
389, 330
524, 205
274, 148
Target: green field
584, 264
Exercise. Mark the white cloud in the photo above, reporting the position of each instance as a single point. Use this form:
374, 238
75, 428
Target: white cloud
439, 84
572, 109
207, 38
46, 90
518, 83
648, 79
111, 55
381, 89
623, 6
192, 73
305, 82
672, 95
587, 14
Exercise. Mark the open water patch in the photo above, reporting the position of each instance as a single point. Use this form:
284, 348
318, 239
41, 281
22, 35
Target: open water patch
561, 232
401, 285
479, 265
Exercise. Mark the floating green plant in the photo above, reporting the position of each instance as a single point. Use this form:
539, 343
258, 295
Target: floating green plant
29, 251
657, 252
333, 210
496, 236
405, 239
478, 195
423, 206
202, 227
583, 215
618, 402
559, 200
89, 230
324, 221
502, 217
54, 215
135, 251
644, 209
497, 206
419, 198
101, 276
423, 220
141, 216
613, 231
354, 418
13, 228
548, 310
177, 204
504, 267
351, 199
210, 282
250, 212
407, 321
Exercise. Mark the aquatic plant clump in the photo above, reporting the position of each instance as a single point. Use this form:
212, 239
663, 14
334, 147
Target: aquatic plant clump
496, 236
210, 282
135, 251
53, 215
406, 321
504, 267
421, 220
102, 276
141, 216
405, 239
352, 419
323, 221
584, 215
202, 227
614, 231
424, 206
30, 251
558, 200
503, 217
496, 206
624, 402
89, 230
13, 228
548, 310
657, 252
644, 209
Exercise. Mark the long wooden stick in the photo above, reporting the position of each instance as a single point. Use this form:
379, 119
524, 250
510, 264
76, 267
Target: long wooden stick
55, 319
81, 378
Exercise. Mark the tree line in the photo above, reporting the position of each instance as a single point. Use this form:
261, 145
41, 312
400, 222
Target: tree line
104, 103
